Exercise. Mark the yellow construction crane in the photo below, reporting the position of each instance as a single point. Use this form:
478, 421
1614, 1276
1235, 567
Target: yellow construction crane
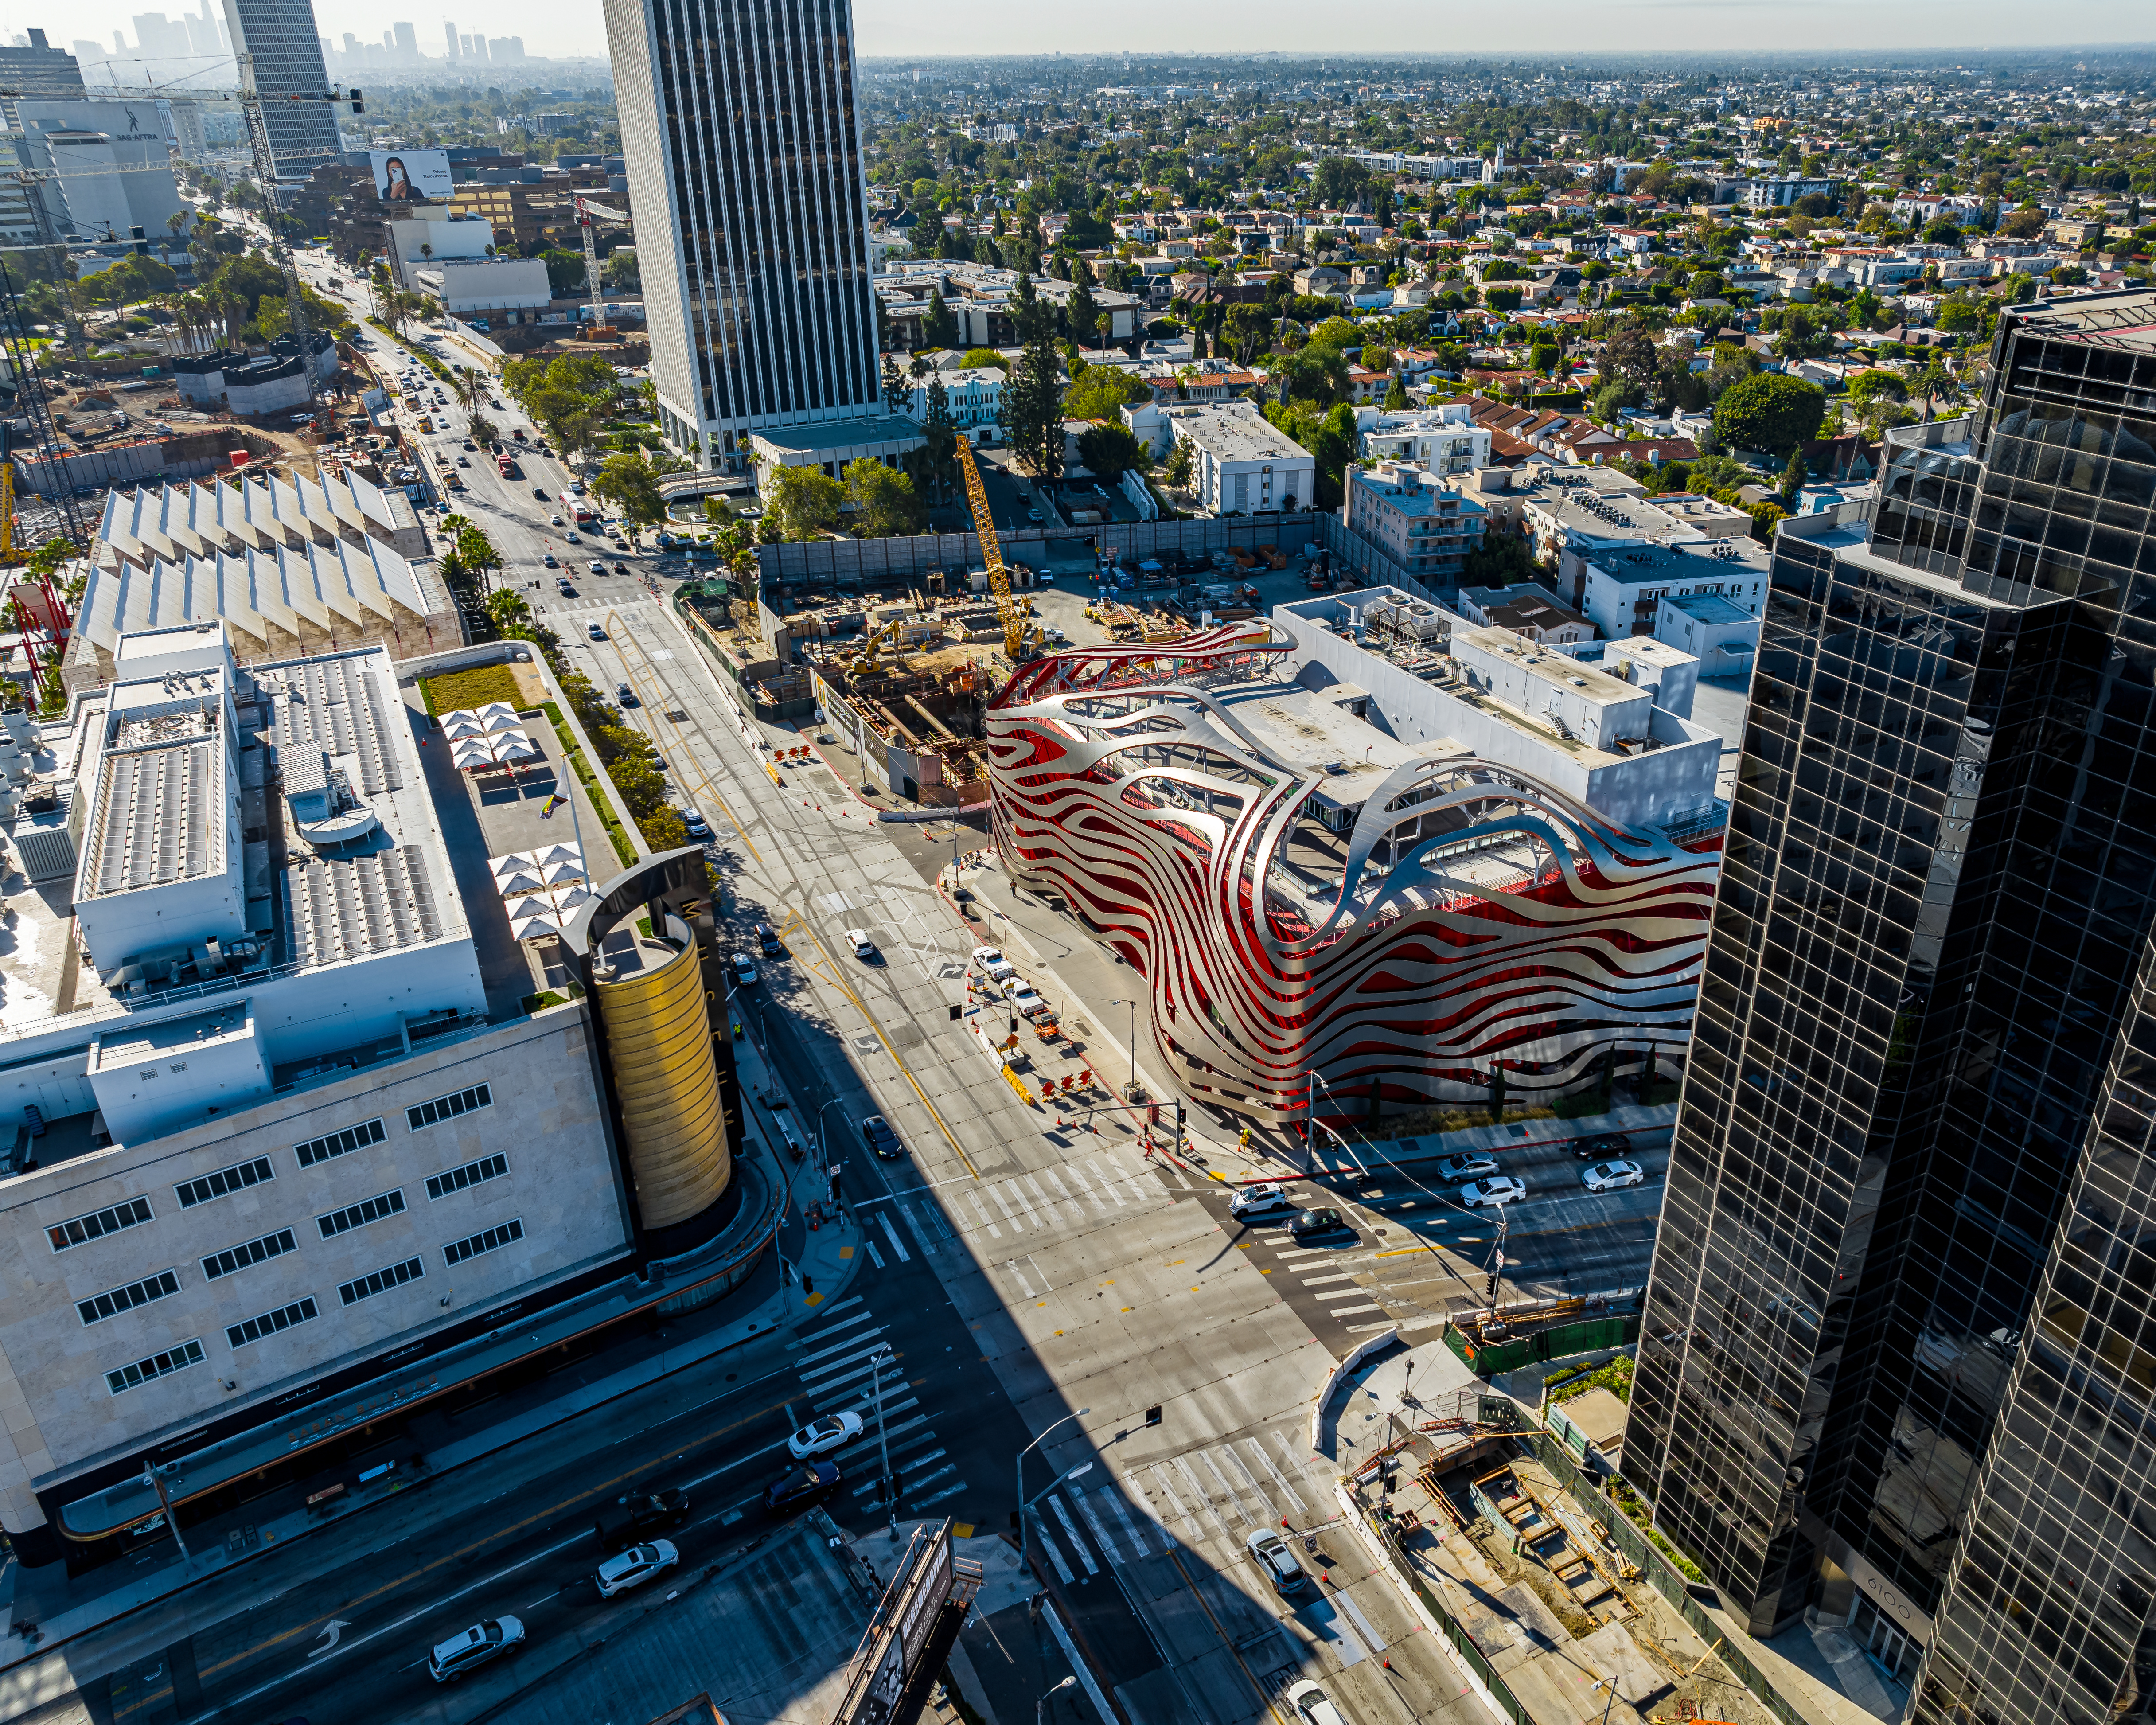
1016, 628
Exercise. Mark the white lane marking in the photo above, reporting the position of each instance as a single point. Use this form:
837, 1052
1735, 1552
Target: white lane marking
1349, 1310
1265, 1462
920, 1232
1203, 1497
875, 1257
1333, 1296
1070, 1527
1124, 1520
824, 1322
1105, 1180
1019, 1277
1311, 1282
920, 1504
994, 1232
1257, 1491
1017, 1192
897, 1244
841, 1347
1084, 1186
1227, 1490
1371, 1638
1187, 1517
1003, 1203
810, 1374
1099, 1533
931, 1479
1047, 1545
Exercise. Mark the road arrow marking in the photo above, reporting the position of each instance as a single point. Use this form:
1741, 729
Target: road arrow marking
331, 1629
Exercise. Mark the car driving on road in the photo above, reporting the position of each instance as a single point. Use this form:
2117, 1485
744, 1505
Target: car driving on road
634, 1567
488, 1639
744, 972
876, 1132
626, 696
699, 829
1611, 1175
1305, 1224
1498, 1188
1267, 1198
1280, 1565
1601, 1145
1468, 1167
798, 1487
595, 632
819, 1437
857, 939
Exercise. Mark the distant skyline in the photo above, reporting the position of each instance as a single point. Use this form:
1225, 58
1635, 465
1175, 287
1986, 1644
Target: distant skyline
903, 28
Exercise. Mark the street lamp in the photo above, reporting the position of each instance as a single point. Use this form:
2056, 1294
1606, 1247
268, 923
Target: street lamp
822, 1143
1072, 1683
153, 1476
877, 1361
1020, 1493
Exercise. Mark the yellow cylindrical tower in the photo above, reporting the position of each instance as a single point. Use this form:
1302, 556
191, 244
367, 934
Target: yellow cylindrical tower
659, 1043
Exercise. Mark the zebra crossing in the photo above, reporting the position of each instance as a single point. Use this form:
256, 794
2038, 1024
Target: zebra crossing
1078, 1193
1223, 1490
838, 1372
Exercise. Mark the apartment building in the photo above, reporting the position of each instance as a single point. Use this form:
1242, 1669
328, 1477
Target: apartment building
1414, 518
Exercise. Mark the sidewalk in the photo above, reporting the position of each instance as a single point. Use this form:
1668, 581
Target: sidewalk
1033, 930
64, 1609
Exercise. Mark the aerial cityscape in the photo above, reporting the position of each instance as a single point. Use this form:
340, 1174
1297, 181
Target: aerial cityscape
1280, 886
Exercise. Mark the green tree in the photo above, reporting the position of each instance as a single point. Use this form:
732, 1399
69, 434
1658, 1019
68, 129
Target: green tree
1175, 470
1103, 392
1499, 561
1110, 451
1794, 474
1246, 328
565, 272
629, 482
939, 325
1631, 353
897, 387
1772, 412
1314, 373
980, 359
802, 502
1396, 396
1033, 407
883, 499
1083, 316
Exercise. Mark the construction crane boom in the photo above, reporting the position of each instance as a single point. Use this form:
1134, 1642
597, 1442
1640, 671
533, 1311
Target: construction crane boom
1008, 608
585, 210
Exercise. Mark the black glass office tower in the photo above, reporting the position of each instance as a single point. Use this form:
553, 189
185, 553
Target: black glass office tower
1898, 1362
738, 120
281, 57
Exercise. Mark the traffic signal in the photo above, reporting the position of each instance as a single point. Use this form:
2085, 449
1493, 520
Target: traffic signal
1179, 1124
1152, 1415
957, 1014
1489, 1288
357, 105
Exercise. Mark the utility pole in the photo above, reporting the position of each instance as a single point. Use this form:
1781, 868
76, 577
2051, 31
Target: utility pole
877, 1361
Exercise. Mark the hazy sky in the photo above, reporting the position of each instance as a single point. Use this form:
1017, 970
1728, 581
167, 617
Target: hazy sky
903, 28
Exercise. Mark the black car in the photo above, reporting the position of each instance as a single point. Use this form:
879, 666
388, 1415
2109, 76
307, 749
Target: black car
1305, 1223
766, 937
626, 695
542, 492
881, 1139
1601, 1145
621, 568
643, 1513
798, 1487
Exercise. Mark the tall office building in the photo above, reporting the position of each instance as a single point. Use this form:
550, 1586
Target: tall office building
40, 70
280, 57
1898, 1361
743, 143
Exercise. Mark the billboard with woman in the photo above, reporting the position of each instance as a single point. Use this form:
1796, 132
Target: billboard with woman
411, 177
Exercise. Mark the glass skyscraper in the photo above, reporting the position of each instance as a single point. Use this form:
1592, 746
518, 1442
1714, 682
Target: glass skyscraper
1898, 1361
280, 57
739, 122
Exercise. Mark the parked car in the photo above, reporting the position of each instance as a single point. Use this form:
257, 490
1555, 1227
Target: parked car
634, 1567
744, 972
596, 567
1313, 1705
991, 960
699, 829
1498, 1188
489, 1638
1602, 1144
1611, 1175
1279, 1562
819, 1437
1305, 1224
798, 1487
1028, 1003
767, 936
1470, 1165
645, 1512
1266, 1200
857, 939
551, 560
880, 1139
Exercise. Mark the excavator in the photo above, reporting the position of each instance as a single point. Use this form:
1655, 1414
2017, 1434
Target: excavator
1021, 635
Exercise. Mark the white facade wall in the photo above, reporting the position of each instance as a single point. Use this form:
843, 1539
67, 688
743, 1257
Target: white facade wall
1612, 593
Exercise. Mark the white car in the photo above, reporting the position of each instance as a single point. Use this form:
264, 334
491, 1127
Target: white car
699, 828
819, 1437
1260, 1200
1498, 1188
634, 1567
857, 939
994, 963
483, 1642
744, 972
1281, 1568
1028, 1003
1469, 1167
1612, 1176
554, 521
1313, 1705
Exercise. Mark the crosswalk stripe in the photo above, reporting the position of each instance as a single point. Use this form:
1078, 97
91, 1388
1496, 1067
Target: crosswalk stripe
1093, 1162
811, 1371
1199, 1491
824, 1319
1048, 1204
1311, 1282
1054, 1551
994, 1232
1003, 1204
950, 1491
1099, 1533
1085, 1186
841, 1347
1330, 1295
940, 1473
1248, 1478
1124, 1520
1350, 1311
875, 1257
897, 1244
1055, 1180
929, 1238
863, 1403
1025, 1204
1019, 1277
1071, 1528
1265, 1462
1227, 1490
1187, 1517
